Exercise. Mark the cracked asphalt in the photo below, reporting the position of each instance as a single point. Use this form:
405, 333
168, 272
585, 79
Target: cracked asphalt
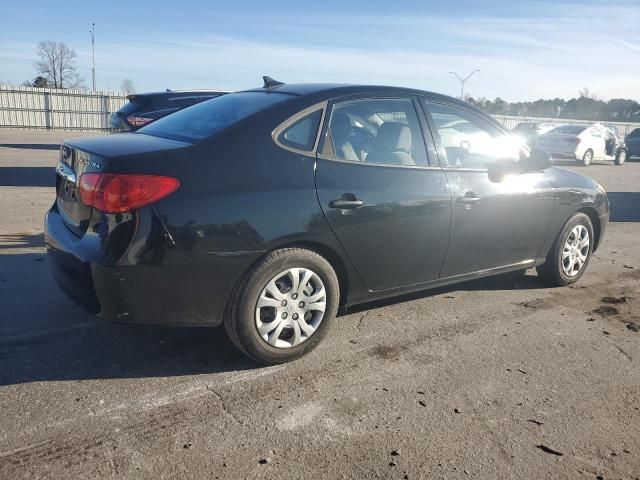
498, 378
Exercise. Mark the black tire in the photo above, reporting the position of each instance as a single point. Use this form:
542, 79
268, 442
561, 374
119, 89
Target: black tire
587, 158
240, 321
621, 156
551, 271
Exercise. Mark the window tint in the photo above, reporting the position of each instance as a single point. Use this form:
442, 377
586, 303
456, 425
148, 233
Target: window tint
380, 131
302, 134
206, 118
468, 141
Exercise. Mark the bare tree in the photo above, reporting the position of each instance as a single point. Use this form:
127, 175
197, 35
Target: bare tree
127, 86
58, 64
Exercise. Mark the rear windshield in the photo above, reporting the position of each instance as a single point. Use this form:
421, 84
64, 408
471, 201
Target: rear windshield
570, 129
206, 118
523, 127
135, 104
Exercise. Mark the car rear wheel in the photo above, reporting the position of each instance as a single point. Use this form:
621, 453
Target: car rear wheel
621, 156
284, 306
587, 158
570, 253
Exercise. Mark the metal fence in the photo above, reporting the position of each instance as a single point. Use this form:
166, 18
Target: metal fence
510, 121
55, 109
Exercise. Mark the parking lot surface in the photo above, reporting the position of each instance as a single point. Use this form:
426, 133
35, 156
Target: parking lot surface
498, 378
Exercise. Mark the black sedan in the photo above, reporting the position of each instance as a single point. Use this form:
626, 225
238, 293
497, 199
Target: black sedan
266, 210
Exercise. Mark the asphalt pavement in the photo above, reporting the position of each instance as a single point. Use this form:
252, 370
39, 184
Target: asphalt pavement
497, 378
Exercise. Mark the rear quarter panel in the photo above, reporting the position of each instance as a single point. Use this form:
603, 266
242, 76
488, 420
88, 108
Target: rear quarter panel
242, 196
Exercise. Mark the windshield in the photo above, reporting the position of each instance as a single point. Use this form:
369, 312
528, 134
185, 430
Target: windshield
570, 129
206, 118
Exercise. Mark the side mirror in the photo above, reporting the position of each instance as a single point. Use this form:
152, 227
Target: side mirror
538, 160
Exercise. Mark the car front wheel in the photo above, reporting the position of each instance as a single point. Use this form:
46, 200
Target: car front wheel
284, 306
570, 254
621, 156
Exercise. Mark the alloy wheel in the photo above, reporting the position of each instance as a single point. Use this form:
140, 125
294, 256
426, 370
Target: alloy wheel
575, 251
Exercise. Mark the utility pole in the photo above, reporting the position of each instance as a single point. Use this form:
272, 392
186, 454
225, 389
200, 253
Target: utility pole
463, 81
93, 55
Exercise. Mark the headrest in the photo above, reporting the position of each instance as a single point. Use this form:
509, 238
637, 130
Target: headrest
340, 126
393, 137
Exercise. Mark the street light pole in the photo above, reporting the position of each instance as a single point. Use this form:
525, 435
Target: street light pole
463, 81
93, 55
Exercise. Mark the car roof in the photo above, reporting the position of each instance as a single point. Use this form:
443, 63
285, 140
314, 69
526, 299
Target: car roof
329, 90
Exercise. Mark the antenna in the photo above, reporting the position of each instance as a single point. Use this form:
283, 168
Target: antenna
270, 82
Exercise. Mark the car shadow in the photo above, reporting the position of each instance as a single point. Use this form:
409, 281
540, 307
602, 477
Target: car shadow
44, 337
506, 281
27, 177
625, 206
32, 146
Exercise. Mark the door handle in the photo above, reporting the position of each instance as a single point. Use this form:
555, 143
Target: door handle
469, 198
348, 201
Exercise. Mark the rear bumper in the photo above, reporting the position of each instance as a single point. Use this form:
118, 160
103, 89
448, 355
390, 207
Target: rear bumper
163, 287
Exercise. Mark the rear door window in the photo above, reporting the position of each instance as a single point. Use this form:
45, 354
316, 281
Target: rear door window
207, 118
376, 131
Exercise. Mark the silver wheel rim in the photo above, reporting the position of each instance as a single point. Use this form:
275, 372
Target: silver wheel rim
575, 251
622, 157
587, 157
291, 308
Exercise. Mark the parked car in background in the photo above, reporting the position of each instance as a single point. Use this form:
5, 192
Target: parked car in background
529, 131
257, 210
583, 143
144, 108
633, 143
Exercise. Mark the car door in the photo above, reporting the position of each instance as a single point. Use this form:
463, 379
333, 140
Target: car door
389, 207
496, 222
598, 143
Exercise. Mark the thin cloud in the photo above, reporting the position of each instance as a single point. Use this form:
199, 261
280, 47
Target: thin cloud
544, 55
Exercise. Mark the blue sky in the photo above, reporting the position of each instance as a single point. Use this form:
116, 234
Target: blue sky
524, 50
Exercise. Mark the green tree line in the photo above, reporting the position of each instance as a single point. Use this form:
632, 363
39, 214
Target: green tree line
584, 107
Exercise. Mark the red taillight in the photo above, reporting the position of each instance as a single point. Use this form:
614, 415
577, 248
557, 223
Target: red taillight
117, 193
138, 121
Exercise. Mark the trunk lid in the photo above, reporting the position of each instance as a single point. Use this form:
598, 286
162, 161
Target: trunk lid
92, 155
